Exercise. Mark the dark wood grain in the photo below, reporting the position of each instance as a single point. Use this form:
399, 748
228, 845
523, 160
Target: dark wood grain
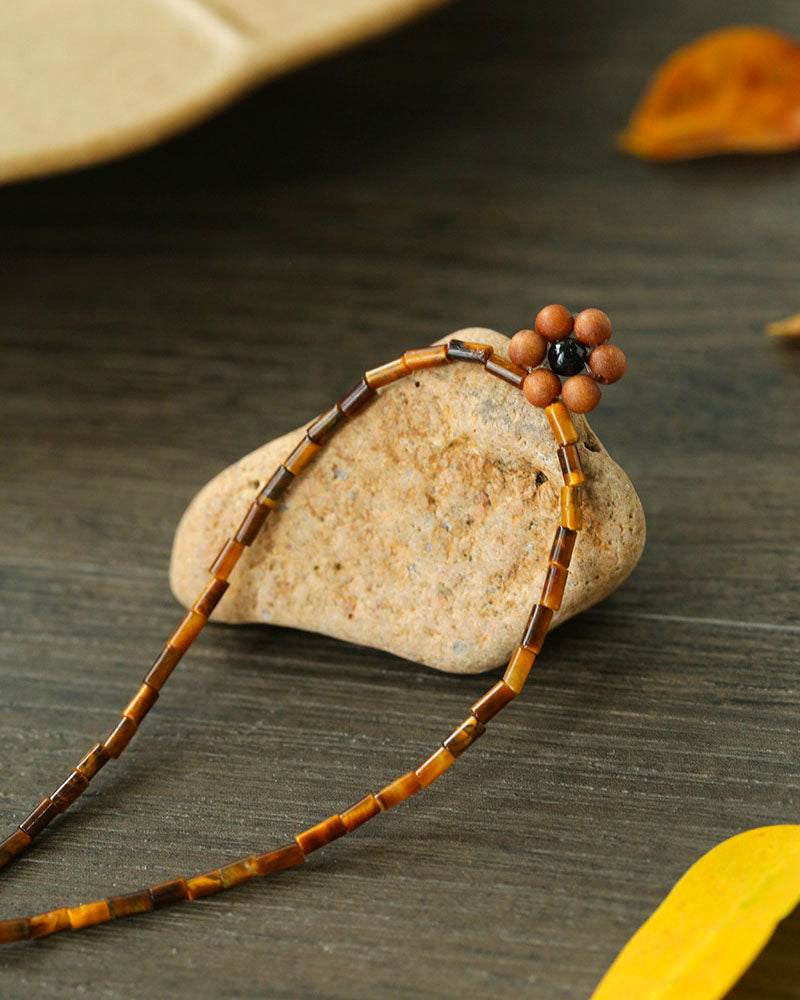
165, 315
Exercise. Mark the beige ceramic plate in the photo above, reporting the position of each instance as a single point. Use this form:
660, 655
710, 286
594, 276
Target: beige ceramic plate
87, 80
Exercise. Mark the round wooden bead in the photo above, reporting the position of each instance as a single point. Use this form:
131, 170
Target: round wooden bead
581, 393
607, 363
592, 327
554, 322
541, 387
527, 348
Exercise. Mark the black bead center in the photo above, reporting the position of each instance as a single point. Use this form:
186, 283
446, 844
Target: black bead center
567, 357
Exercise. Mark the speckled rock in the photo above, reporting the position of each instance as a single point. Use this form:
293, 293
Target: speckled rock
423, 527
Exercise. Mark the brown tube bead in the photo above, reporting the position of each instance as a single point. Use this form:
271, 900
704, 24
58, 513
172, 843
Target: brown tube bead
553, 589
252, 523
210, 598
434, 766
280, 858
238, 871
325, 425
163, 665
88, 914
426, 357
536, 629
68, 791
229, 554
388, 373
495, 699
188, 630
398, 790
466, 350
141, 703
166, 893
357, 398
130, 903
363, 810
506, 370
301, 455
570, 462
279, 482
463, 737
14, 844
204, 885
15, 930
42, 815
323, 833
49, 923
119, 737
570, 509
96, 758
519, 666
563, 545
561, 424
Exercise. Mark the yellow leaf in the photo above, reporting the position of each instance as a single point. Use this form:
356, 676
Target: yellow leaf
789, 327
713, 923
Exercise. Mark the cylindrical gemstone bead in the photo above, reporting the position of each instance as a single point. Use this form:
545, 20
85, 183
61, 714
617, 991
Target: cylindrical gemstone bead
553, 589
238, 871
68, 791
204, 885
188, 630
519, 666
495, 699
228, 557
281, 857
426, 357
463, 737
163, 665
323, 833
466, 350
357, 398
301, 455
398, 790
210, 597
536, 629
506, 370
279, 482
434, 766
15, 930
563, 545
325, 425
363, 810
130, 903
253, 522
119, 737
561, 424
96, 758
570, 462
385, 374
165, 893
88, 914
49, 923
570, 508
42, 815
14, 844
141, 703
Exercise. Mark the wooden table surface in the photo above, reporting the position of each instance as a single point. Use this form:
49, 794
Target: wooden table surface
165, 315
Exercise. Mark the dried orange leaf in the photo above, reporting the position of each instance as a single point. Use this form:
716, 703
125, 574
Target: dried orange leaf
734, 91
789, 327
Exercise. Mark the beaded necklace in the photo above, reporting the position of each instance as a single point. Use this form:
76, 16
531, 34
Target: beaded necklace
575, 347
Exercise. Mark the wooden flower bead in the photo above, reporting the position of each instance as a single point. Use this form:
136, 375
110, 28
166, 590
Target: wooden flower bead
541, 387
607, 363
592, 327
527, 348
581, 393
554, 322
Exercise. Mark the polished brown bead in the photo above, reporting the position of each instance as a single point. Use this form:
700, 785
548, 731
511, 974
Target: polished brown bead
278, 483
358, 397
519, 666
166, 893
226, 560
434, 766
119, 737
425, 357
496, 698
561, 424
607, 363
210, 597
15, 930
363, 810
398, 790
527, 348
301, 455
141, 703
96, 758
570, 462
541, 387
42, 815
188, 630
536, 629
466, 350
570, 507
553, 589
14, 844
49, 923
282, 857
581, 393
252, 522
89, 914
463, 737
163, 665
204, 885
506, 370
388, 373
563, 545
323, 833
132, 902
238, 871
325, 425
554, 322
592, 327
68, 791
